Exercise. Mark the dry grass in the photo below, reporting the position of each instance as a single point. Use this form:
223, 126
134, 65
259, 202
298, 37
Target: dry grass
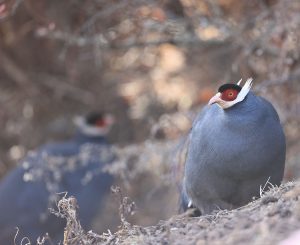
268, 220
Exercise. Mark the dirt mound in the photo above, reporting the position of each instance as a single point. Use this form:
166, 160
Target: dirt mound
272, 219
267, 220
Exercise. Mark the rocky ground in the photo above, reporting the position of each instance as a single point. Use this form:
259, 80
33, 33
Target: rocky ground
272, 219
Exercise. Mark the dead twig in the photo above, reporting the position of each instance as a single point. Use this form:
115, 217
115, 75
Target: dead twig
127, 207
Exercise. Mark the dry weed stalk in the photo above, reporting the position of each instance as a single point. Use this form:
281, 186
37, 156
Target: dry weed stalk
127, 207
73, 234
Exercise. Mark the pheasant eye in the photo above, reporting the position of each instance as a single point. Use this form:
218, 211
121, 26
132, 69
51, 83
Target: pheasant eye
229, 94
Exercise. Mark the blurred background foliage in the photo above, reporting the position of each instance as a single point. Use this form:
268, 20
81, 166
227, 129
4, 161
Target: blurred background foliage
151, 63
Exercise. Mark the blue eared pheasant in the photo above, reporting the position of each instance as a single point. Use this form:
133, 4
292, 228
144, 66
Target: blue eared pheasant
74, 166
236, 146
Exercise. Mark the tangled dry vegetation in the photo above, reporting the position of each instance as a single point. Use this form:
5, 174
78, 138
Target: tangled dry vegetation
272, 219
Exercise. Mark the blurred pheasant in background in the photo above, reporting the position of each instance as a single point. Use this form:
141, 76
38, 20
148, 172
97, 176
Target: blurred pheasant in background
236, 146
75, 167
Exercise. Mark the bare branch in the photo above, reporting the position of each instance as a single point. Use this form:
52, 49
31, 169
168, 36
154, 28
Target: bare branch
104, 44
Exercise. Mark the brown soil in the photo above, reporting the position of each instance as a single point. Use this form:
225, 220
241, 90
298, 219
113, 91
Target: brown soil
268, 220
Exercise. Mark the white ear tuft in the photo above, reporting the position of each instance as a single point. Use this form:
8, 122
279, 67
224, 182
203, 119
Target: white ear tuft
245, 90
78, 121
239, 82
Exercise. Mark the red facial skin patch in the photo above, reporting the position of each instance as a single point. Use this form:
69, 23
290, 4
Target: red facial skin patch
229, 94
101, 123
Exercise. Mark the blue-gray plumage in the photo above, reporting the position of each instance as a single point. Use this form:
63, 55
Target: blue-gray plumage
236, 145
27, 193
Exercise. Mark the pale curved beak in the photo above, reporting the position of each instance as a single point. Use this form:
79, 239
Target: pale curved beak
215, 99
